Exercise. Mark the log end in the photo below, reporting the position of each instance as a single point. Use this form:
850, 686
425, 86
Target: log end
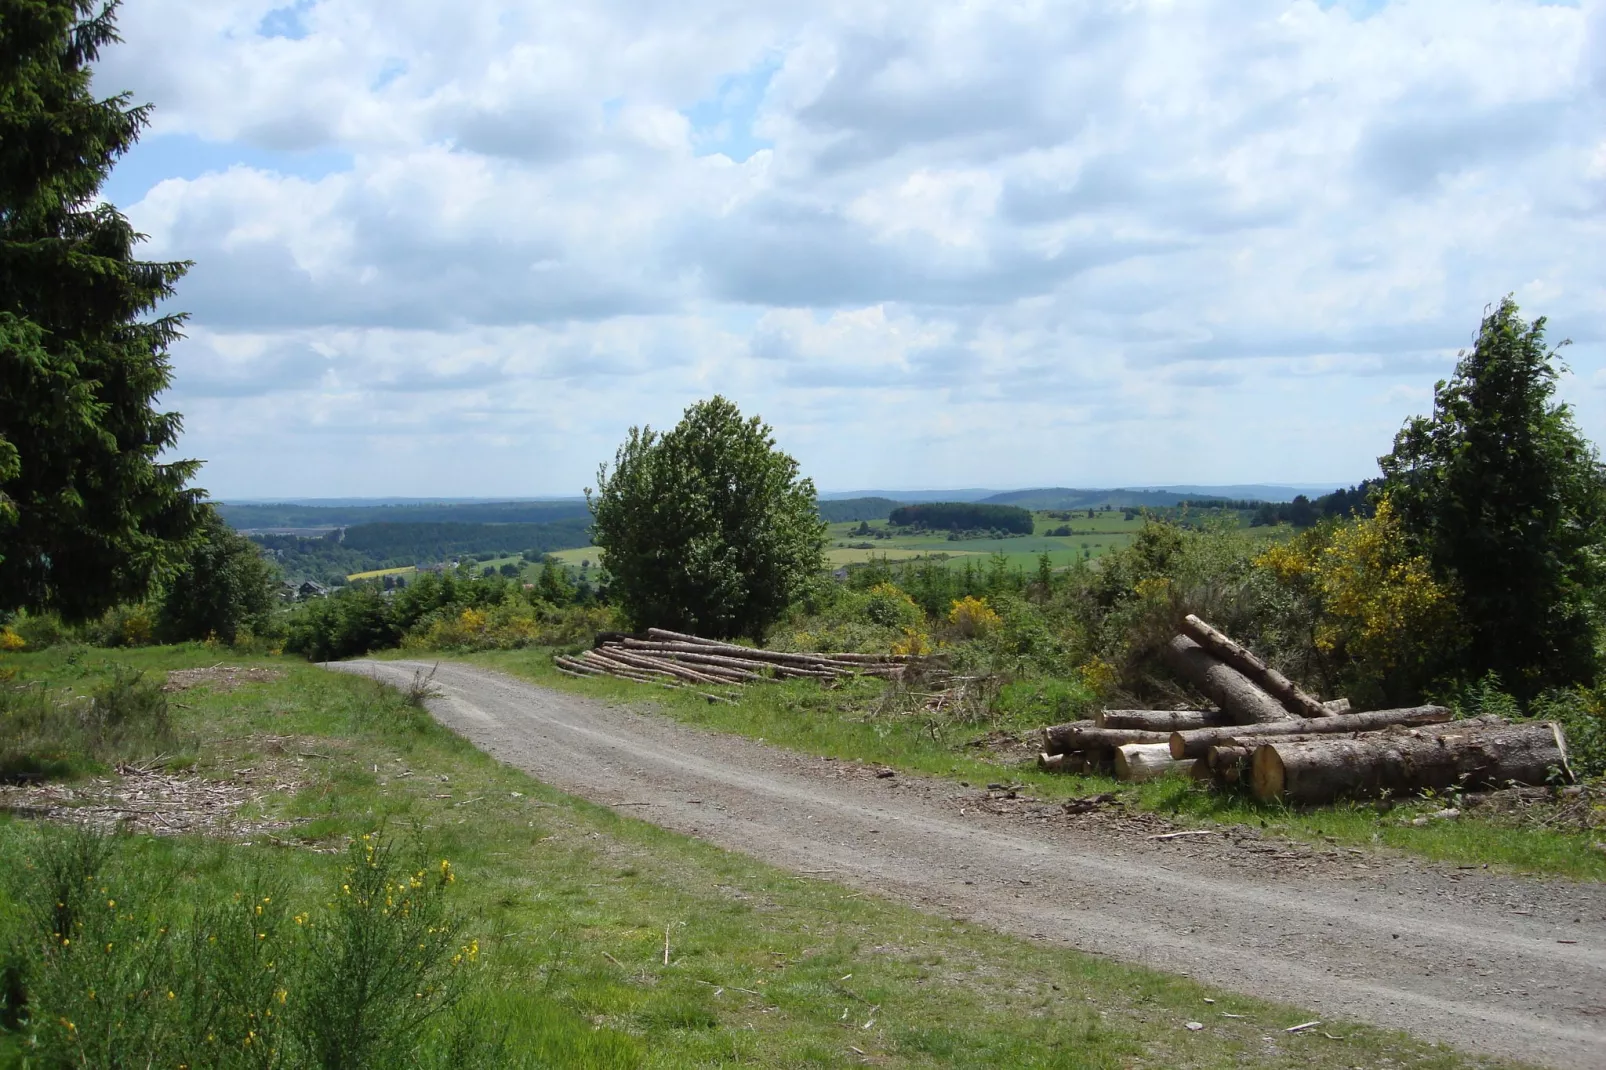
1051, 763
1267, 776
1179, 747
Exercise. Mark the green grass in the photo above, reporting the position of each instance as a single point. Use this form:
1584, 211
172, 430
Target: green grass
838, 723
570, 903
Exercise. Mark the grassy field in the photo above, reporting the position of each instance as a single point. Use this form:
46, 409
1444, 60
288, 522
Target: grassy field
571, 904
802, 716
374, 574
1090, 538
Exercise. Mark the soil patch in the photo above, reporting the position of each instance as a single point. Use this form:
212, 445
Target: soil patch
220, 678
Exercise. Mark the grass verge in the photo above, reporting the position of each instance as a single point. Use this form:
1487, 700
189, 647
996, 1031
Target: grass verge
607, 942
845, 723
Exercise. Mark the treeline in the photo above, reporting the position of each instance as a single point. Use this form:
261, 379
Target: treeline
1302, 512
963, 516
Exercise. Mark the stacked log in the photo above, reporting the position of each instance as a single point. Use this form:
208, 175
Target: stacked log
1288, 745
676, 659
1405, 762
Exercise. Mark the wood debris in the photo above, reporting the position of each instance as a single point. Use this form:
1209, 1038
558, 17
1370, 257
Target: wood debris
1292, 747
688, 662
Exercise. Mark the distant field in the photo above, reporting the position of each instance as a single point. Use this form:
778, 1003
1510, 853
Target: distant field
374, 574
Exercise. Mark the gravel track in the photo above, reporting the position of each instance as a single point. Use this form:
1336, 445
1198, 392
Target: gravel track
1485, 962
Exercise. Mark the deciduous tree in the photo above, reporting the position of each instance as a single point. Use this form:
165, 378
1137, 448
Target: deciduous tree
707, 528
1508, 501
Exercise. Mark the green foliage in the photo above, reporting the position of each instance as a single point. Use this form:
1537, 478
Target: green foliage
223, 589
553, 585
51, 733
964, 516
438, 612
1507, 500
88, 512
106, 973
363, 547
707, 528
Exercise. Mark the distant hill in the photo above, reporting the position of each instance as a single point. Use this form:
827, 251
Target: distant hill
971, 495
259, 516
1152, 497
851, 510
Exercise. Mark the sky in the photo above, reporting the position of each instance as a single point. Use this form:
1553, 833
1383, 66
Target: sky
460, 249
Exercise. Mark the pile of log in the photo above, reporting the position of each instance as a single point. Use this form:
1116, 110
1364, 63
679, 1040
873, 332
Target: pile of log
1288, 745
674, 659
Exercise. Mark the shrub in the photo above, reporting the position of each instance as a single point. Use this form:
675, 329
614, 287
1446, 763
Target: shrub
45, 733
888, 606
103, 973
972, 617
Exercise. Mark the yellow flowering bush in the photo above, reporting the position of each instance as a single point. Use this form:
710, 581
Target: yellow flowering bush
914, 643
10, 640
972, 617
1378, 607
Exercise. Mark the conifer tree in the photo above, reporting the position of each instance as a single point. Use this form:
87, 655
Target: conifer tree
89, 512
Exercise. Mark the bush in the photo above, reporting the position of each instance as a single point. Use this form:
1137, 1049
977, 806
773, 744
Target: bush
45, 733
103, 972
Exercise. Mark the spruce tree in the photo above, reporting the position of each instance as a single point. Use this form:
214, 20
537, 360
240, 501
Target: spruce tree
89, 513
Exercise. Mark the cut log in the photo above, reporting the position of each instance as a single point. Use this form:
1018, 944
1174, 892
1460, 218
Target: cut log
1082, 735
1268, 679
1230, 689
1228, 763
1161, 720
1197, 743
1337, 705
1407, 762
1051, 763
654, 665
1138, 762
740, 667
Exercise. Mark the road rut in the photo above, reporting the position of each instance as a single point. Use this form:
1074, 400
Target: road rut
1481, 961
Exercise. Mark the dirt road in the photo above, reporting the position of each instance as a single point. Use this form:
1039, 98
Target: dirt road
1484, 962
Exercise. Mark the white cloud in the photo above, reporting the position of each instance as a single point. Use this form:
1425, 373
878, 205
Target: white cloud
996, 243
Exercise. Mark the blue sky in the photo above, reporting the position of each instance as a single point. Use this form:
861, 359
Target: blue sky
461, 249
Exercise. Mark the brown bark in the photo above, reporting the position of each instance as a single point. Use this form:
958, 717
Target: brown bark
1138, 762
1268, 679
1082, 735
1161, 720
663, 635
1197, 743
656, 665
735, 665
1406, 762
1228, 688
1229, 762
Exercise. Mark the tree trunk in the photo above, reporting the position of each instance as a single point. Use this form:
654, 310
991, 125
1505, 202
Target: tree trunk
1408, 762
1264, 676
1197, 743
1228, 688
1138, 762
1228, 763
1082, 735
1160, 720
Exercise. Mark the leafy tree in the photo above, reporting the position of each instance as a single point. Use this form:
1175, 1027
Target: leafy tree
707, 528
1507, 500
223, 587
88, 514
553, 585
